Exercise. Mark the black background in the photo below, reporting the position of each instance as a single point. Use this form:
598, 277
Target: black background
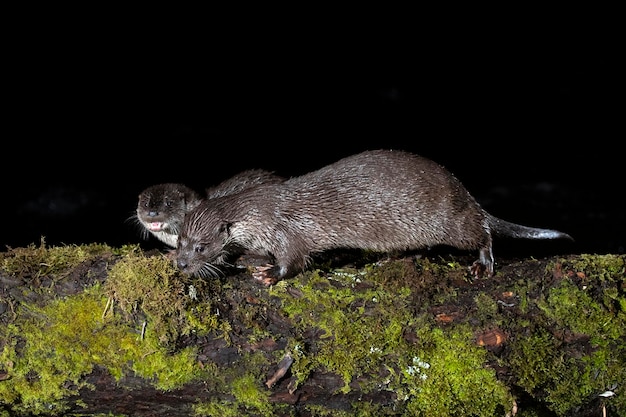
531, 124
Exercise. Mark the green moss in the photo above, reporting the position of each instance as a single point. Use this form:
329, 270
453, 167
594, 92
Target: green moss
167, 371
322, 411
151, 285
607, 274
486, 309
249, 392
576, 310
521, 291
600, 268
585, 308
533, 357
79, 414
55, 351
216, 408
41, 260
50, 345
369, 409
249, 396
563, 382
449, 377
350, 342
362, 334
50, 354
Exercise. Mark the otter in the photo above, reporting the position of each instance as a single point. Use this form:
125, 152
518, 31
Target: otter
161, 208
379, 200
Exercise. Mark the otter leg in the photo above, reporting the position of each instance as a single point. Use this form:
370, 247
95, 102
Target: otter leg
484, 263
287, 261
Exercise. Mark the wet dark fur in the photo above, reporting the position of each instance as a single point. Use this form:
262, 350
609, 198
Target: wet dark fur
378, 200
161, 208
243, 180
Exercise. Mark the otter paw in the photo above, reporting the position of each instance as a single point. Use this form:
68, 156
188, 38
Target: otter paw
263, 275
478, 270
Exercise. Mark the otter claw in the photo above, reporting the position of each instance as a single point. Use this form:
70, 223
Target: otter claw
262, 274
478, 270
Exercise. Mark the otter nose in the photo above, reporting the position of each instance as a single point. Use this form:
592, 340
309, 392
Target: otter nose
182, 264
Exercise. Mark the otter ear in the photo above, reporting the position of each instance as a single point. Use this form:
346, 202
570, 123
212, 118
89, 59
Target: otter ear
225, 228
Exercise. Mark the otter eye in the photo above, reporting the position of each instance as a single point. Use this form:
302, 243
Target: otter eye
168, 203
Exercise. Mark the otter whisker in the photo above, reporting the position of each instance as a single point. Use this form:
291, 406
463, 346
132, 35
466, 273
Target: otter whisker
135, 222
209, 270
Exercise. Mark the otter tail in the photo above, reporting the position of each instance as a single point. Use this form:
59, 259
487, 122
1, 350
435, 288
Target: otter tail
502, 228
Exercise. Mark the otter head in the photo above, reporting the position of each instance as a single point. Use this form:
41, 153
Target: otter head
202, 243
162, 207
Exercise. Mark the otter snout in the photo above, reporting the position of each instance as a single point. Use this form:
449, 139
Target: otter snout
186, 260
182, 264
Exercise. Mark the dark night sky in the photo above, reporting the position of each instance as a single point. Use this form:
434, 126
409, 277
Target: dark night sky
530, 126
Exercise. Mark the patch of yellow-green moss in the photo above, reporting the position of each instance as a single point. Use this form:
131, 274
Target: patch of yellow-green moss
51, 348
486, 311
43, 260
251, 395
96, 415
216, 408
348, 342
150, 285
50, 345
574, 309
449, 377
587, 307
241, 391
362, 334
600, 268
358, 408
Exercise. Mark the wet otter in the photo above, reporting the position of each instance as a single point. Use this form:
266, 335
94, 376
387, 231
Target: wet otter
381, 200
161, 208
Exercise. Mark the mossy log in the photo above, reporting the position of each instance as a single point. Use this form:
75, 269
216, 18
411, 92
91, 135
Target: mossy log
95, 330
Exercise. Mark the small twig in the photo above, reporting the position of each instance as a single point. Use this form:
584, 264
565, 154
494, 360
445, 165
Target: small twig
283, 366
143, 329
106, 307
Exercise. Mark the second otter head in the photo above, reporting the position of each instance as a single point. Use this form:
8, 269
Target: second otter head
162, 207
202, 243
